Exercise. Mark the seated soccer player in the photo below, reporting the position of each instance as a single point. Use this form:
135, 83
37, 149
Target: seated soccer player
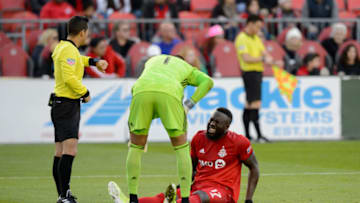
217, 155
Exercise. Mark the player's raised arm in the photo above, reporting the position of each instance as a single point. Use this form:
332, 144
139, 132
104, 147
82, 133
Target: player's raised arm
254, 174
203, 83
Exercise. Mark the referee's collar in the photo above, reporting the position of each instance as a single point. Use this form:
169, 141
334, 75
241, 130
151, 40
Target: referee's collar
71, 42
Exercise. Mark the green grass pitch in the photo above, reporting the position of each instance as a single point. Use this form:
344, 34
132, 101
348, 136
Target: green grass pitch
294, 172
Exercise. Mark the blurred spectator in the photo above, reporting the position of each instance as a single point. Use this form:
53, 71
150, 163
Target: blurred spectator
226, 11
47, 40
268, 6
79, 5
89, 11
158, 9
121, 43
337, 37
99, 48
168, 37
136, 6
285, 10
318, 9
190, 56
311, 65
293, 42
153, 50
214, 36
57, 9
349, 63
36, 5
107, 7
252, 8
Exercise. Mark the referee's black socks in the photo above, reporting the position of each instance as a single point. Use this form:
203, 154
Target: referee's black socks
255, 119
246, 121
65, 166
56, 173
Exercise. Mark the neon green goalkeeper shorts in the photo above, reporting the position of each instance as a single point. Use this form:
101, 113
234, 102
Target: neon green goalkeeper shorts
147, 106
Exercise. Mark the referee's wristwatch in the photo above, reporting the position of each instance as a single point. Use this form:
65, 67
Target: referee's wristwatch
263, 58
93, 61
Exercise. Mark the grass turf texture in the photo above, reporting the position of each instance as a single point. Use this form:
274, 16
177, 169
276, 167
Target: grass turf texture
291, 172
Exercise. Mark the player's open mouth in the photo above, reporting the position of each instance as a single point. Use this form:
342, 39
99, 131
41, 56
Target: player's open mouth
212, 129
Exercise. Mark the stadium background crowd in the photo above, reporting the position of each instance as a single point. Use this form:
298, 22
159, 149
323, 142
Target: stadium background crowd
127, 32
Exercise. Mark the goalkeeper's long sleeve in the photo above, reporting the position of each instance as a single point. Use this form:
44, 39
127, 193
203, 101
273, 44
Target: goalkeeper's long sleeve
203, 83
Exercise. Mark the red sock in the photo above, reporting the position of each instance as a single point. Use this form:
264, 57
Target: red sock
156, 199
192, 199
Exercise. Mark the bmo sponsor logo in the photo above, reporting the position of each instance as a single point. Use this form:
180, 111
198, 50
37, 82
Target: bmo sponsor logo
218, 164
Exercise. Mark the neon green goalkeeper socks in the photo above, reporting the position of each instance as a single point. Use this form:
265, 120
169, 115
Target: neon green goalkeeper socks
133, 167
184, 168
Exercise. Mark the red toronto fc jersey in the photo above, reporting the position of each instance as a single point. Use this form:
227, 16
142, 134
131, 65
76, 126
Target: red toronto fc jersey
219, 161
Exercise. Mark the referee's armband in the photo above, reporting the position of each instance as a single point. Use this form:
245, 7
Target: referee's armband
93, 61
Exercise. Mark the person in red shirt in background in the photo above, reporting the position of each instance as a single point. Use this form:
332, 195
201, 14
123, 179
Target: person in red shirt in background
57, 9
311, 65
217, 155
99, 48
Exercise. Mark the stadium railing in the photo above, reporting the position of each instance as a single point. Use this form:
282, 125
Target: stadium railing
184, 25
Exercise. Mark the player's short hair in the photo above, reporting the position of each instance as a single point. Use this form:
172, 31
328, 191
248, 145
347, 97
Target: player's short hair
179, 56
253, 19
77, 24
226, 112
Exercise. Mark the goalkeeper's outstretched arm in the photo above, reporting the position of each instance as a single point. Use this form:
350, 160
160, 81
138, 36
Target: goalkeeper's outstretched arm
203, 83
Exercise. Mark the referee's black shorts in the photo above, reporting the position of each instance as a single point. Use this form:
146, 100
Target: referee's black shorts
65, 115
252, 83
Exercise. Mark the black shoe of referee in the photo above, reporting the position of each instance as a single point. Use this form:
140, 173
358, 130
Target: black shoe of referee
262, 139
68, 199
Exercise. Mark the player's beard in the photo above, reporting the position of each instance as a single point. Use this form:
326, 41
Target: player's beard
216, 135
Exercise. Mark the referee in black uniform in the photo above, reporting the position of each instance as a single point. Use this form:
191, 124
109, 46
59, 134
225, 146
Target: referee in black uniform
65, 101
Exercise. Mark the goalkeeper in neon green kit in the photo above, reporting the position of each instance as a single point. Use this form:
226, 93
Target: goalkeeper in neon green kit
158, 93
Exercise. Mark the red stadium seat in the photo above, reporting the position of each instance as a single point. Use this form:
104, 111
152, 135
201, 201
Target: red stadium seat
340, 4
313, 47
123, 17
224, 59
203, 7
347, 15
325, 33
276, 51
135, 54
13, 27
354, 6
298, 4
190, 30
32, 37
347, 43
12, 5
4, 39
14, 61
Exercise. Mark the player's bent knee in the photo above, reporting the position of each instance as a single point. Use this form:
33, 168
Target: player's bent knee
138, 139
203, 196
179, 140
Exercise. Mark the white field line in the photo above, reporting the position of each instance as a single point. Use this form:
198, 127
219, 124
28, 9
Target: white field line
169, 176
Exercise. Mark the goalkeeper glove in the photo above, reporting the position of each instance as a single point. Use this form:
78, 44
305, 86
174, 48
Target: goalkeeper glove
188, 104
248, 201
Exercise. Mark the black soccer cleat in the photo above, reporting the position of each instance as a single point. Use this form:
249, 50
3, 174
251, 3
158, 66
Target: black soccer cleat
263, 139
68, 199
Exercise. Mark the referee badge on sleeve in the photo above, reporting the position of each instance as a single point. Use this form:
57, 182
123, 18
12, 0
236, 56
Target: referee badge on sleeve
242, 47
70, 61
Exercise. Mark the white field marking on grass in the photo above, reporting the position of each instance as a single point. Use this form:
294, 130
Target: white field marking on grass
169, 176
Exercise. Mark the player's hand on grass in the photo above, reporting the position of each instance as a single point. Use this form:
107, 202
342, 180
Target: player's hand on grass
87, 99
188, 104
102, 65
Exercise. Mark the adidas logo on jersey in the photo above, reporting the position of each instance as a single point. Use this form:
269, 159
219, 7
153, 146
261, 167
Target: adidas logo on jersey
202, 151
